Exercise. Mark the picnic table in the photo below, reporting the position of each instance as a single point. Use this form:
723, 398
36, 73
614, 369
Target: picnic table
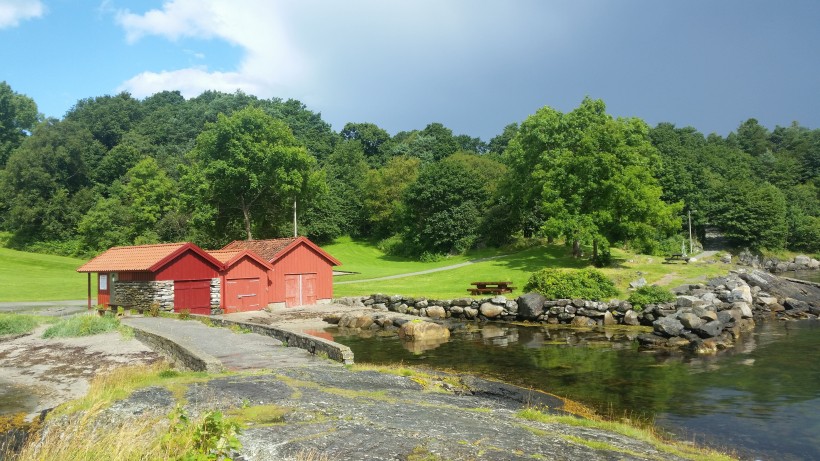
676, 257
495, 288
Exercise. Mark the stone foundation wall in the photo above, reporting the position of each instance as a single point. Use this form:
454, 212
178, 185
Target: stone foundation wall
140, 295
216, 296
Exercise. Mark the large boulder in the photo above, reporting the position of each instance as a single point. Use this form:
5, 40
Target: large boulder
436, 312
741, 293
690, 320
423, 331
530, 306
581, 321
667, 326
631, 318
781, 288
491, 310
709, 329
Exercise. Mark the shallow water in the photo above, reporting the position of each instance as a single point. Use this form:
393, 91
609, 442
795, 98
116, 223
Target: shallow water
762, 398
811, 276
15, 399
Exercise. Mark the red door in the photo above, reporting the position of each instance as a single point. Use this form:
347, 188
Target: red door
300, 289
242, 295
194, 295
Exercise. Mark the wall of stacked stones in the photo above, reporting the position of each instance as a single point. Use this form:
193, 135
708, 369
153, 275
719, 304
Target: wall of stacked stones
140, 295
705, 316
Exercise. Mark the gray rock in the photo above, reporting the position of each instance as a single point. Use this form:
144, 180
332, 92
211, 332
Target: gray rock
802, 260
690, 320
511, 307
651, 340
421, 304
813, 264
638, 283
470, 312
463, 302
745, 310
491, 310
570, 309
609, 319
687, 301
631, 318
578, 302
767, 300
741, 293
456, 310
531, 305
395, 299
581, 321
709, 329
436, 312
500, 300
727, 316
667, 326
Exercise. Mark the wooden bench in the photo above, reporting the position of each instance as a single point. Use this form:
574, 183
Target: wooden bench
495, 288
675, 257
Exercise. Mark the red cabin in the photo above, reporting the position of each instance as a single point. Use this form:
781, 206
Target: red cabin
302, 272
181, 275
245, 280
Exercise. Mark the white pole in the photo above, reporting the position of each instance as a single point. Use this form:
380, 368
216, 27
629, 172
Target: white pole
295, 234
690, 232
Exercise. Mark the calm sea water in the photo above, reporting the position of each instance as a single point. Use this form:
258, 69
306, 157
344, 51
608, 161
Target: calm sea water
761, 399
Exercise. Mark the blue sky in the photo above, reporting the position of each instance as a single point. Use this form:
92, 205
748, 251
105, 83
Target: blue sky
473, 65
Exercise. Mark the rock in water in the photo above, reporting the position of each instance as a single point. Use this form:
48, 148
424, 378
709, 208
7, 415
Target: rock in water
423, 331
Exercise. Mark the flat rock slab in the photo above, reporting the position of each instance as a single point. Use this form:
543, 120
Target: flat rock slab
235, 350
342, 414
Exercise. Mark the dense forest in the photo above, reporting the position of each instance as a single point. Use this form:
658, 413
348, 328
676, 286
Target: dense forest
116, 170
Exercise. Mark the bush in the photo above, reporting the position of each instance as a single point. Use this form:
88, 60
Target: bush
650, 294
82, 325
588, 284
13, 324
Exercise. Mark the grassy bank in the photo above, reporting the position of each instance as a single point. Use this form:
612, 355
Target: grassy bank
37, 277
515, 267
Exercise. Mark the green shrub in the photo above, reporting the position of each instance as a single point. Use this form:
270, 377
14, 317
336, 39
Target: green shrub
588, 284
13, 324
153, 309
211, 437
650, 294
82, 325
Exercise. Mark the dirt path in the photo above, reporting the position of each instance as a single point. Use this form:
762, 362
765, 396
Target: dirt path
428, 271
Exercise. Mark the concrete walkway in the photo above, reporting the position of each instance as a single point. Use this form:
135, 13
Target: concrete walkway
234, 351
428, 271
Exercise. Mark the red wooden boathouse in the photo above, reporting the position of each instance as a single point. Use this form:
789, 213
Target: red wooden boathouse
245, 280
181, 275
302, 272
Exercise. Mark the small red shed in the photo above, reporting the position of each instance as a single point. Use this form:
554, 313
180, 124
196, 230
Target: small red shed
244, 280
302, 272
181, 275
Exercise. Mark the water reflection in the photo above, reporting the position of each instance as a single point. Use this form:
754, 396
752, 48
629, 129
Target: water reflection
762, 396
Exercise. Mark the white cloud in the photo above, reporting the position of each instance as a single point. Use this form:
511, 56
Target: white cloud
14, 11
269, 60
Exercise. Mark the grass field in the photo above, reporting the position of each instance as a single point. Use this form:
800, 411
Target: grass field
369, 262
37, 277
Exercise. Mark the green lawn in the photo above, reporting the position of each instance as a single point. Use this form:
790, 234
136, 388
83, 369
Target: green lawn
370, 262
516, 268
37, 277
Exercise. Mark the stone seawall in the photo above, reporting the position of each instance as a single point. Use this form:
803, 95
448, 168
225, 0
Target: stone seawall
312, 344
704, 317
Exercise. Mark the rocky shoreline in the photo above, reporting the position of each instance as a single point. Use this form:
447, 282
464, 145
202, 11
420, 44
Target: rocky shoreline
704, 317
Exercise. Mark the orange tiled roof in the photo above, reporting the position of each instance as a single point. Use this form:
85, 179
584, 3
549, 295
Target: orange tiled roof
224, 256
131, 258
267, 249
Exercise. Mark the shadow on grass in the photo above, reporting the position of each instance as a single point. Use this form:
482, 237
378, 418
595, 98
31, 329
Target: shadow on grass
555, 256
